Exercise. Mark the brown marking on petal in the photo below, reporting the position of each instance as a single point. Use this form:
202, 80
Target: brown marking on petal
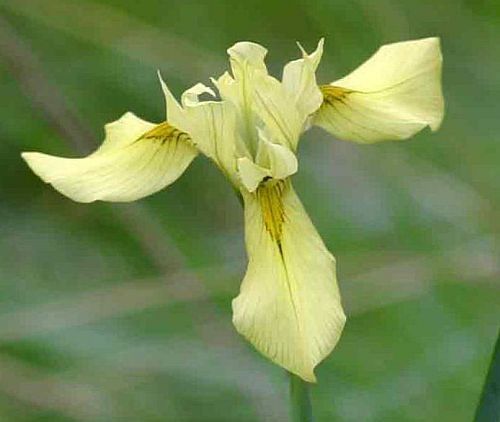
270, 196
332, 93
166, 132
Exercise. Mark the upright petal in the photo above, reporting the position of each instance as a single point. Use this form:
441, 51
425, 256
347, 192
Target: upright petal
211, 125
299, 78
261, 100
245, 53
393, 95
136, 159
289, 305
276, 108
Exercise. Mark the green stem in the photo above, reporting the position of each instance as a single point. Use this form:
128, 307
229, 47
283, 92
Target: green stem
300, 400
489, 406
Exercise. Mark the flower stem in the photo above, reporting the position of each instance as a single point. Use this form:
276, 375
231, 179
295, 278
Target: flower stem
300, 400
489, 405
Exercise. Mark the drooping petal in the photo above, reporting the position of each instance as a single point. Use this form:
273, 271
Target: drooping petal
210, 124
136, 159
393, 95
289, 304
299, 79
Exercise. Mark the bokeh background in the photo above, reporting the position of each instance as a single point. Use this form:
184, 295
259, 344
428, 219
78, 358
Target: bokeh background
122, 312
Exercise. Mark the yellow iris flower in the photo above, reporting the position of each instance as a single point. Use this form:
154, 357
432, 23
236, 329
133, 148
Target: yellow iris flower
289, 305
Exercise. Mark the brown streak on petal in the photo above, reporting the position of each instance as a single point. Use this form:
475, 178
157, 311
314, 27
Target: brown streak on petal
332, 93
270, 196
165, 132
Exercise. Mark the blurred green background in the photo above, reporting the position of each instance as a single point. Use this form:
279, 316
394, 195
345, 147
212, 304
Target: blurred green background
122, 312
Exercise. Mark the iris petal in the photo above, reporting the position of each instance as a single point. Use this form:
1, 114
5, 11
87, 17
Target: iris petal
289, 304
136, 159
393, 95
299, 78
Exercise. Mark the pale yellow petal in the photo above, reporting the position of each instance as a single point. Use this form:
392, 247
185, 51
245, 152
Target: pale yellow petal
246, 54
289, 304
228, 88
136, 159
251, 174
280, 160
210, 124
273, 161
299, 79
260, 99
190, 97
393, 95
277, 109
